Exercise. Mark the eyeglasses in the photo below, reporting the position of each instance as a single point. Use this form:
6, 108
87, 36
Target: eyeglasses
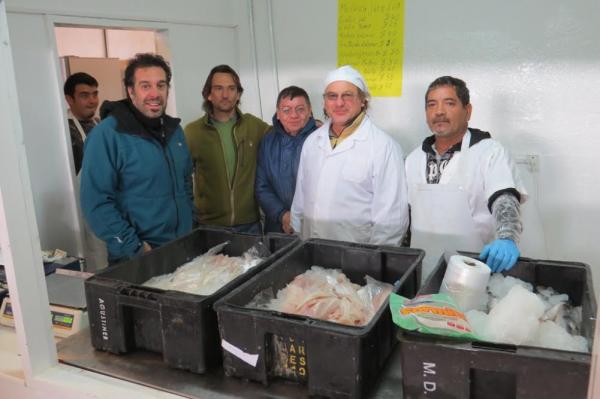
346, 97
287, 111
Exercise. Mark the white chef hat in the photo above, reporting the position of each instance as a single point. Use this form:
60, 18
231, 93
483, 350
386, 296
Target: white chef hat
347, 74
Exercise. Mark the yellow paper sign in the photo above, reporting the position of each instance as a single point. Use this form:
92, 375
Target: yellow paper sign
371, 39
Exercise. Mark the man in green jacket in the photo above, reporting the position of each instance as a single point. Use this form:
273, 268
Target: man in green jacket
224, 144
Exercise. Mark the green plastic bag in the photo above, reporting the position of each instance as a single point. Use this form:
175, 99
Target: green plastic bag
431, 314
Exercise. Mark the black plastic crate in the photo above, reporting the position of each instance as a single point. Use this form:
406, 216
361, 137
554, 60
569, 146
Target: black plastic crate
437, 367
125, 316
334, 360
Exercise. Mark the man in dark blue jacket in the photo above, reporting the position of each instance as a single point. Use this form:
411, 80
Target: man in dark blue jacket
279, 156
136, 179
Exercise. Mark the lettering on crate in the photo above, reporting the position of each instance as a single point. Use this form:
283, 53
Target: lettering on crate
103, 320
289, 358
296, 360
429, 385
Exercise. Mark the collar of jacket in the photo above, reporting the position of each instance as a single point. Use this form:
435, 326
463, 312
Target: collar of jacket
310, 126
135, 123
359, 134
476, 136
206, 119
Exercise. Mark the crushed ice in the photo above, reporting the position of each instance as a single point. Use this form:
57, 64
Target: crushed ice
518, 315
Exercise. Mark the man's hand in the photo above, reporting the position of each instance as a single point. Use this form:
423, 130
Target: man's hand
286, 223
500, 255
147, 247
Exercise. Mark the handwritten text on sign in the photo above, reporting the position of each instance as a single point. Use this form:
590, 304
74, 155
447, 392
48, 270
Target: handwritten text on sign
371, 39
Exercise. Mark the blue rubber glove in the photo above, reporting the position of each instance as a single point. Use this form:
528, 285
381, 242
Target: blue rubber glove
500, 255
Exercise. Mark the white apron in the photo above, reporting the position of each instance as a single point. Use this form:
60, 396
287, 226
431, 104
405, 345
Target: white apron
78, 126
96, 256
441, 218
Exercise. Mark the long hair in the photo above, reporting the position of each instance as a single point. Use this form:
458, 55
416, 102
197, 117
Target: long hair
207, 105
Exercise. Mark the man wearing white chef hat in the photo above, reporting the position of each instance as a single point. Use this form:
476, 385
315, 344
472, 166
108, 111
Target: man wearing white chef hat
351, 183
464, 189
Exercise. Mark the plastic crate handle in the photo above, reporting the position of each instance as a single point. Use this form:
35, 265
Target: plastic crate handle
138, 298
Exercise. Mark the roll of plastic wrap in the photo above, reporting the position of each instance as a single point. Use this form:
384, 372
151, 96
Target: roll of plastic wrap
465, 281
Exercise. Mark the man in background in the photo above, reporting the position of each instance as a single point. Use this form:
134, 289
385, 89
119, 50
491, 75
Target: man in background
464, 189
351, 184
224, 144
279, 156
81, 93
136, 180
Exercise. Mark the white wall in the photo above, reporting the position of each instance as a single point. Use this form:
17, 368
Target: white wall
44, 131
533, 69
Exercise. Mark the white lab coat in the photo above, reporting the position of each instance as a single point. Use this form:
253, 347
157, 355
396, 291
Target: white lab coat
454, 214
355, 192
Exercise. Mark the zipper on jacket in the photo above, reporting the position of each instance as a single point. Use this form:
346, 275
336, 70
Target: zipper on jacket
173, 181
235, 172
231, 202
238, 156
173, 190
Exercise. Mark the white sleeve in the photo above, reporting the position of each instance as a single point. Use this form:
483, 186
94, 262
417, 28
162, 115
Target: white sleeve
297, 209
501, 172
389, 211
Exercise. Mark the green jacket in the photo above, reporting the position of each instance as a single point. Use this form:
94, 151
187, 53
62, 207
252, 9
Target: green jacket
217, 202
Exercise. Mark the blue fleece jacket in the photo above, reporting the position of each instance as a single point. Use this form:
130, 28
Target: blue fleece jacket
135, 185
276, 170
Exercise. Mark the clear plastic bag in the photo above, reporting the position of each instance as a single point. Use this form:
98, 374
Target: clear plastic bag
327, 294
207, 273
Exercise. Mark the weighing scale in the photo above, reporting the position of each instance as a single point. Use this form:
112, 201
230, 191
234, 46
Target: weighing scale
66, 295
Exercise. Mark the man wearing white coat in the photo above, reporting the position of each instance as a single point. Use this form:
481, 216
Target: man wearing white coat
464, 189
351, 183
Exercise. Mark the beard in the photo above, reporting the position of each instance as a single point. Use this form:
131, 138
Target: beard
224, 106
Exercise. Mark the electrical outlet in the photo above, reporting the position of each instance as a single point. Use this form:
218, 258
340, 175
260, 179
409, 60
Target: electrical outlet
532, 161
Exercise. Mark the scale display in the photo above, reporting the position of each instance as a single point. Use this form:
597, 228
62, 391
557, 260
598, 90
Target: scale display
65, 321
62, 320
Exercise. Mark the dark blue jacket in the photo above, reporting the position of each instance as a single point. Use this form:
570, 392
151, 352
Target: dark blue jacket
136, 185
276, 170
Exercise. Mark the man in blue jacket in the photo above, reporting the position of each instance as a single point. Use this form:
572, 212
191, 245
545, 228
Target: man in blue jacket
136, 179
279, 156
